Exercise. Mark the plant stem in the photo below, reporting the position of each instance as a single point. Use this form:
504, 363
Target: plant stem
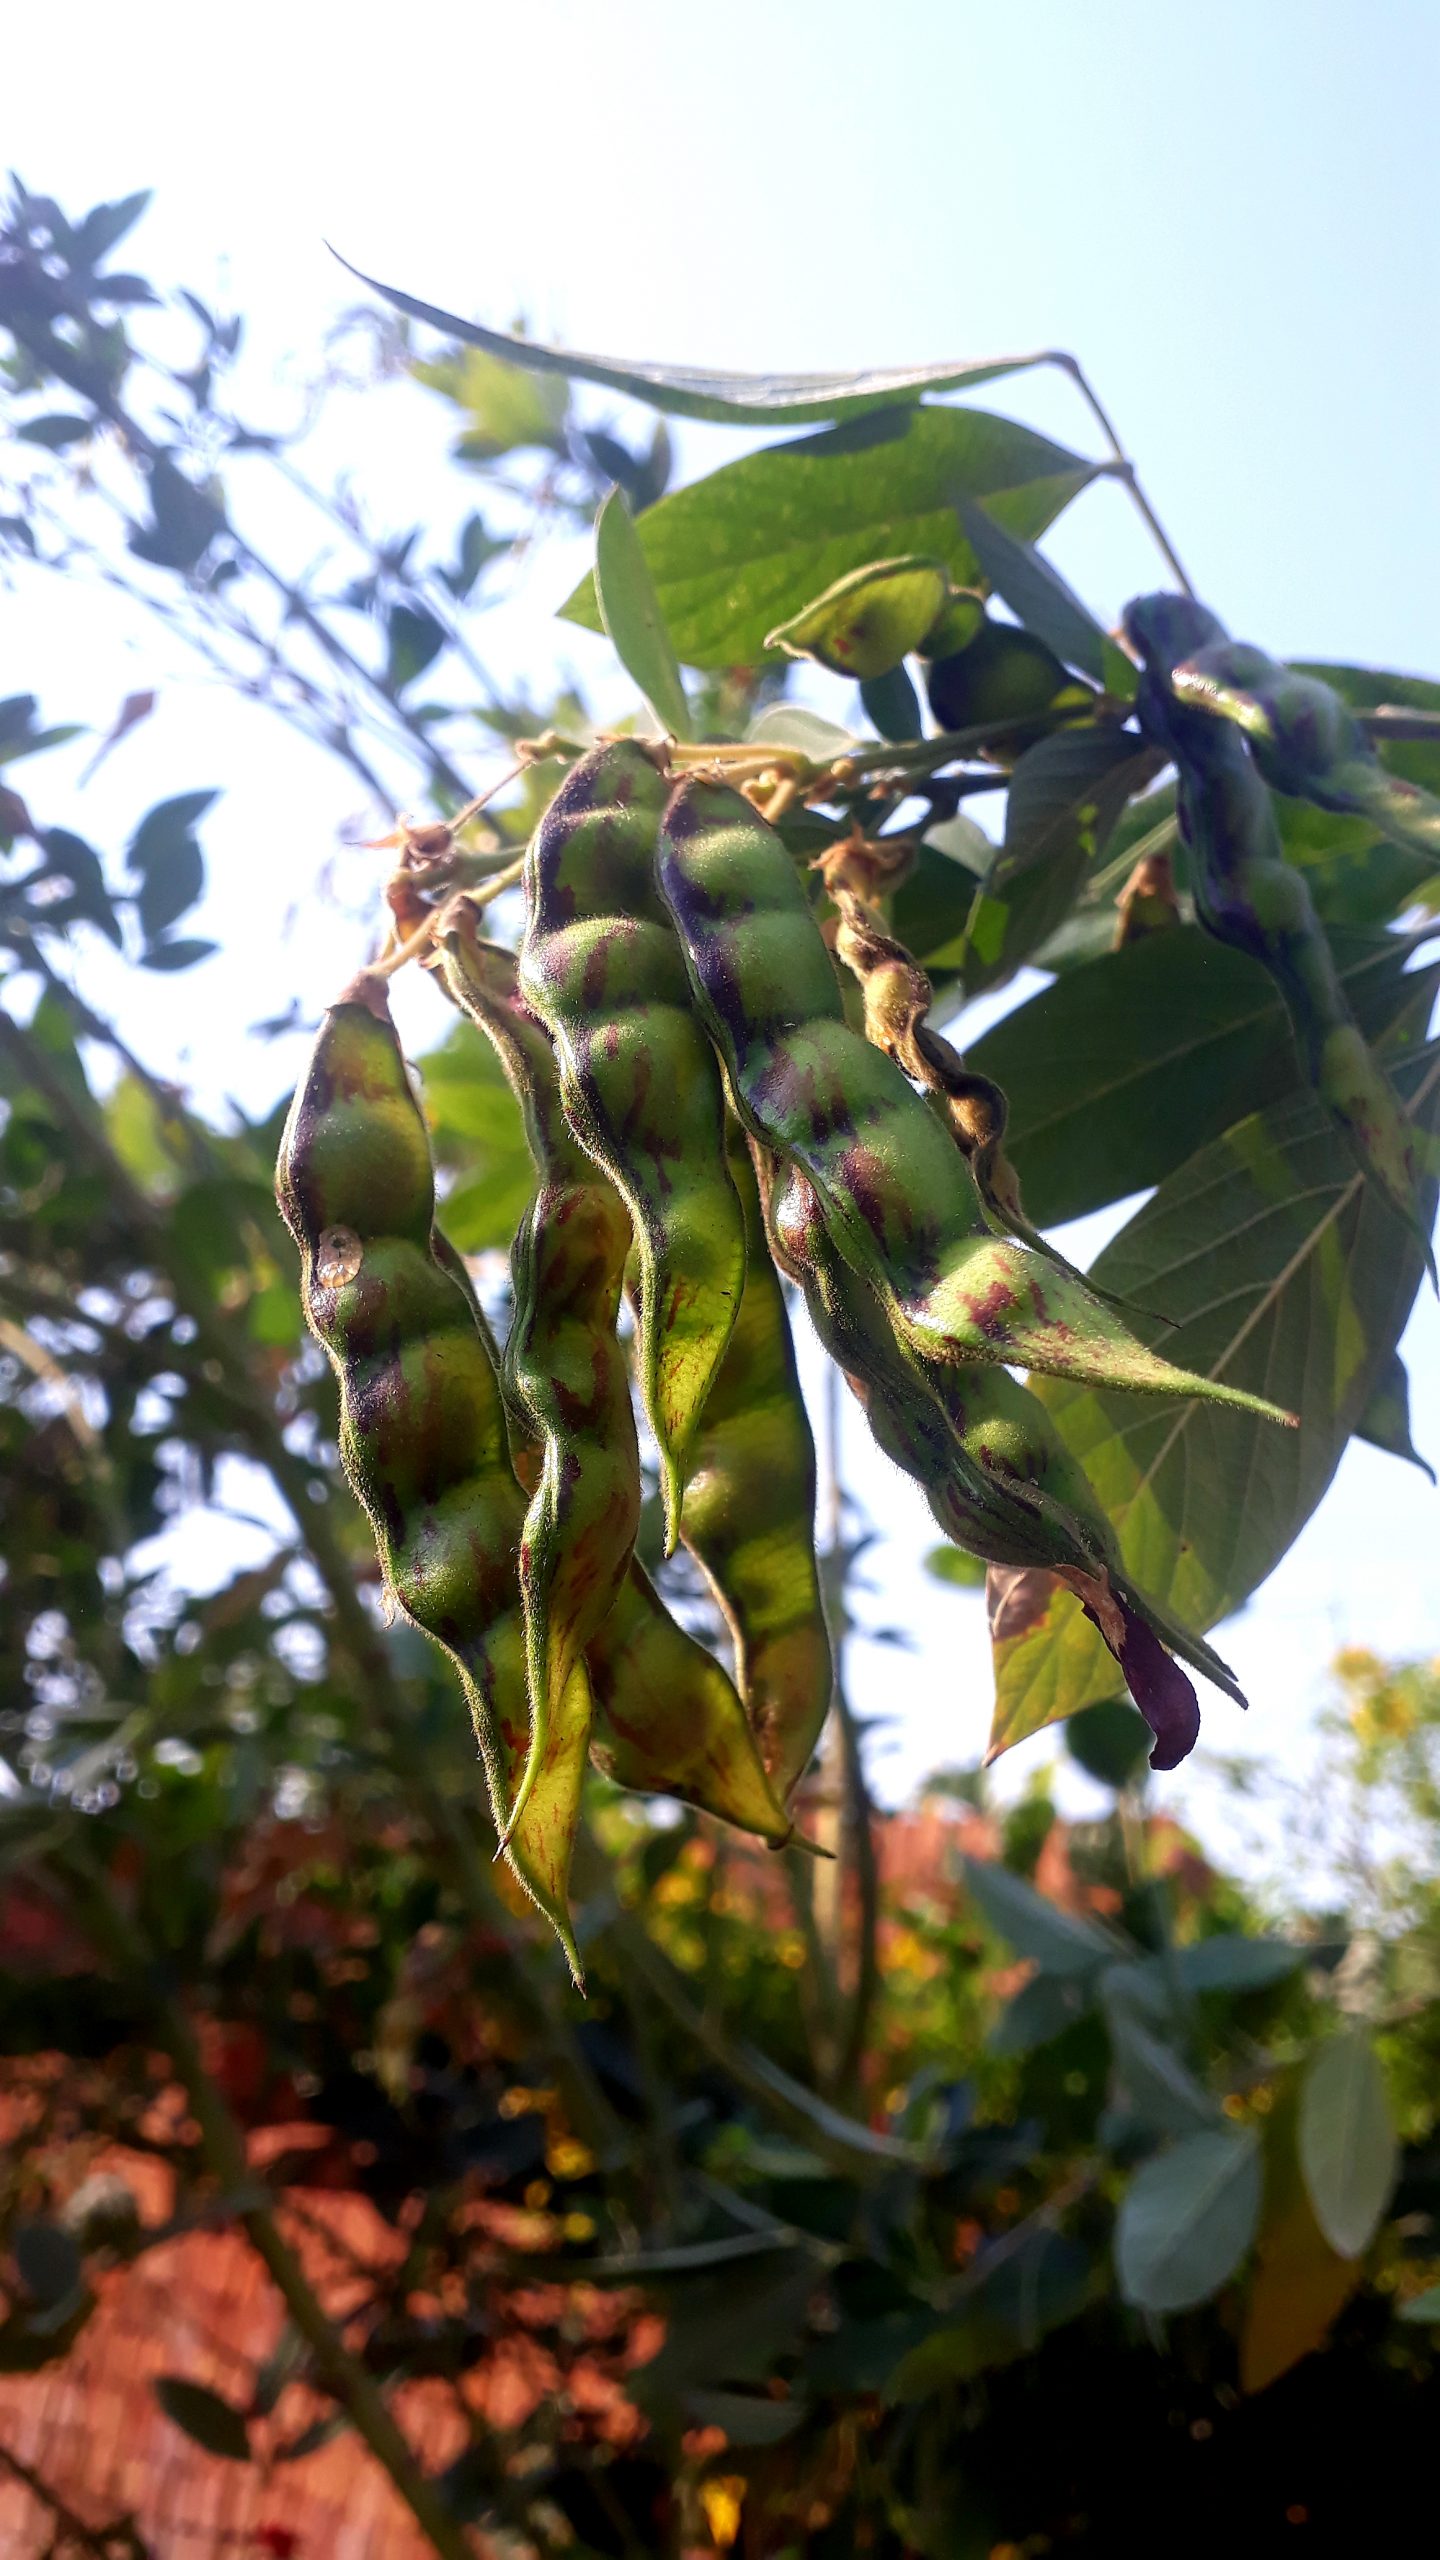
1123, 468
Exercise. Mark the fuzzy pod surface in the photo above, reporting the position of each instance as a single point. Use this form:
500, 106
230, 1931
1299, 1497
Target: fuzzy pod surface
749, 1517
669, 1721
1248, 895
422, 1426
601, 968
893, 1188
997, 1476
564, 1369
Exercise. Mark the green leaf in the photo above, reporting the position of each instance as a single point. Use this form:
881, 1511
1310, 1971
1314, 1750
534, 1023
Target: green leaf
789, 724
630, 609
1039, 2012
166, 825
1010, 2300
1111, 1742
174, 879
1228, 1963
1034, 1927
1123, 1068
1348, 2151
413, 641
204, 2417
1154, 2083
741, 551
56, 432
1286, 1273
953, 1565
892, 706
1036, 594
1385, 1422
735, 399
176, 955
1066, 793
508, 410
1187, 2219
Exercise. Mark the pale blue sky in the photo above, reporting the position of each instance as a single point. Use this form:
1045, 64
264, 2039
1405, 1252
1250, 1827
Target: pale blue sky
1231, 215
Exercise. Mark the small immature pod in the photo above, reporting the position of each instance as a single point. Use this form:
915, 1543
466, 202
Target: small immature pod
668, 1720
422, 1430
601, 968
998, 1478
750, 1512
564, 1367
897, 1200
1248, 895
1306, 740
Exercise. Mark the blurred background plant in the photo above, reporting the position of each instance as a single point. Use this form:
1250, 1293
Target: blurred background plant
1016, 2179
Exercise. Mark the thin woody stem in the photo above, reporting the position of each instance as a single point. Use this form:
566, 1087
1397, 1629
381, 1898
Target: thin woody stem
1123, 468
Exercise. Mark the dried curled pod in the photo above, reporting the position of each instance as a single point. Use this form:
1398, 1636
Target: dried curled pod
422, 1427
601, 969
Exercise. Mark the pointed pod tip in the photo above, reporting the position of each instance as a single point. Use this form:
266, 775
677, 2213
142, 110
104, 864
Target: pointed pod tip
366, 989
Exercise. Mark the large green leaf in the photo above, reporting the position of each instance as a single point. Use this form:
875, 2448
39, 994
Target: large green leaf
1187, 2220
1121, 1069
1348, 2150
1285, 1273
1036, 593
735, 399
1057, 1941
633, 618
479, 1139
742, 551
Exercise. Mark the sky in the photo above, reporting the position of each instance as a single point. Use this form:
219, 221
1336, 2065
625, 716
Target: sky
1232, 216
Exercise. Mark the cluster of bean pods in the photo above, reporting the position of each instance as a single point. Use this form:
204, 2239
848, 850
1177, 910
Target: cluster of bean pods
702, 1118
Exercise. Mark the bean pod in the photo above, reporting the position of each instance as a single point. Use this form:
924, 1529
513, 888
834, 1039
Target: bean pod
564, 1369
668, 1720
749, 1516
893, 1188
422, 1429
998, 1479
600, 966
1306, 740
1248, 895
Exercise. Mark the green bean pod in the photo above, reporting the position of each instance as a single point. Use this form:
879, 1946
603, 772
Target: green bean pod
422, 1430
1306, 740
1248, 895
749, 1517
600, 966
564, 1368
668, 1720
893, 1187
997, 1477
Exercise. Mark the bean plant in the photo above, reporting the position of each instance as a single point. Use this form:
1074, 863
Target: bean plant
509, 1826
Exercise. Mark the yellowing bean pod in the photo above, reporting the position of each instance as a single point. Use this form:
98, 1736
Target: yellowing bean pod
564, 1368
601, 969
749, 1516
422, 1429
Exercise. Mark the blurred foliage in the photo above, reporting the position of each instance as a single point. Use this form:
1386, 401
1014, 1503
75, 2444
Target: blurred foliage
1012, 2184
